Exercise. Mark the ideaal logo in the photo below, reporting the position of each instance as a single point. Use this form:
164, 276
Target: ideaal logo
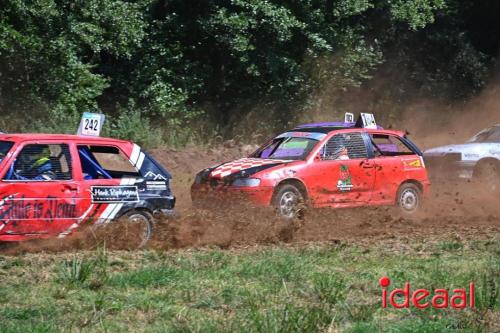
423, 298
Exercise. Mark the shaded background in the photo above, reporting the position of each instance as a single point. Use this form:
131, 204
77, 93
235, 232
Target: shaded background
202, 71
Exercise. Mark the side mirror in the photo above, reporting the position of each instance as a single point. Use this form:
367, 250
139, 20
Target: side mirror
317, 158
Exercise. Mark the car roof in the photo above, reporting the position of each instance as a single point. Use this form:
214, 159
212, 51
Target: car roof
328, 130
62, 137
337, 124
328, 126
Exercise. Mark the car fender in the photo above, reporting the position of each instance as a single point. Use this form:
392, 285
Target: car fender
294, 181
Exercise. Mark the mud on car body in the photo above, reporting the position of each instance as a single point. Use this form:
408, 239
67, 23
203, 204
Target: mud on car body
52, 184
477, 159
322, 165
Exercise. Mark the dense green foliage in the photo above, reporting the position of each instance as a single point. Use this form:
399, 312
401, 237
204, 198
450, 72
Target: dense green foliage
161, 68
327, 288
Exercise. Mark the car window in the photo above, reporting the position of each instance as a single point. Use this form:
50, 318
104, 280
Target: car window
105, 162
494, 135
5, 148
481, 136
344, 147
389, 145
487, 135
41, 162
287, 148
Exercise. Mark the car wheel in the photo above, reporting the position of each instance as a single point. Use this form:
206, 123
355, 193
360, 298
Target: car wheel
289, 202
488, 175
140, 224
132, 231
409, 198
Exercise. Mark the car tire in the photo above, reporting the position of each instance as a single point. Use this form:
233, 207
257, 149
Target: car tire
409, 199
132, 231
146, 222
289, 202
488, 176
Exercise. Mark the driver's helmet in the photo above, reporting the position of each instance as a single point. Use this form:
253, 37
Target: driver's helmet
34, 157
341, 152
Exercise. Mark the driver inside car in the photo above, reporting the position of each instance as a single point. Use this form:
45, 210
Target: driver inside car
337, 150
34, 164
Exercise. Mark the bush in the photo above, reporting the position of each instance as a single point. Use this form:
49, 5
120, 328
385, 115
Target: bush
133, 125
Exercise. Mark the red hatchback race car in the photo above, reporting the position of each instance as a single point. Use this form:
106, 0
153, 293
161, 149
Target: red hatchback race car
52, 184
334, 165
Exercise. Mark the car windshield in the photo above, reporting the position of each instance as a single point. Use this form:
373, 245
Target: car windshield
488, 135
4, 148
287, 148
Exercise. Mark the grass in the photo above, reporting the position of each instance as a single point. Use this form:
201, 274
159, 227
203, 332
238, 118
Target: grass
311, 288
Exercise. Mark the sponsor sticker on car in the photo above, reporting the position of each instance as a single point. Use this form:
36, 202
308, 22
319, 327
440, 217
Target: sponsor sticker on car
412, 163
156, 185
345, 182
110, 194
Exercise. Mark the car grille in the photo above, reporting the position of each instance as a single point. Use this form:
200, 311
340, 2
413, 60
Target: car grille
217, 182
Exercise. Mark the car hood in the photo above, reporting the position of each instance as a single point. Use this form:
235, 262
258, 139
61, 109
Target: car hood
443, 150
467, 149
245, 166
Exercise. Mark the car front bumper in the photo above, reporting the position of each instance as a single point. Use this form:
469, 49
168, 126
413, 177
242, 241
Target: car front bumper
258, 195
163, 206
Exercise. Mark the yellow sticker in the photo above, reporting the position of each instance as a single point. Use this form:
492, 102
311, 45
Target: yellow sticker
416, 163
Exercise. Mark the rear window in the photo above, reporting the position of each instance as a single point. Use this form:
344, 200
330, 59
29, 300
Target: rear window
390, 145
105, 162
5, 148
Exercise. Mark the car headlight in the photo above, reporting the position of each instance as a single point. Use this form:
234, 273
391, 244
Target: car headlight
248, 182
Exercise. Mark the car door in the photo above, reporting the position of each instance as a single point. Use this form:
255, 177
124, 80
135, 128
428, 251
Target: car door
39, 200
395, 161
110, 183
342, 174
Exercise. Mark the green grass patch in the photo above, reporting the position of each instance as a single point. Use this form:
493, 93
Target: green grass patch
270, 289
451, 246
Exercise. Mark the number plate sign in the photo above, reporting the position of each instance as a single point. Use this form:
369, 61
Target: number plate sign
349, 117
366, 120
91, 124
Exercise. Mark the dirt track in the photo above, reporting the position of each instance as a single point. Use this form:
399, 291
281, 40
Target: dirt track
453, 213
457, 210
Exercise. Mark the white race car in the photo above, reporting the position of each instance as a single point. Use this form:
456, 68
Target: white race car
478, 159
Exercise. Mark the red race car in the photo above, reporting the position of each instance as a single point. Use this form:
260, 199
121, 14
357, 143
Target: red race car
52, 184
336, 165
